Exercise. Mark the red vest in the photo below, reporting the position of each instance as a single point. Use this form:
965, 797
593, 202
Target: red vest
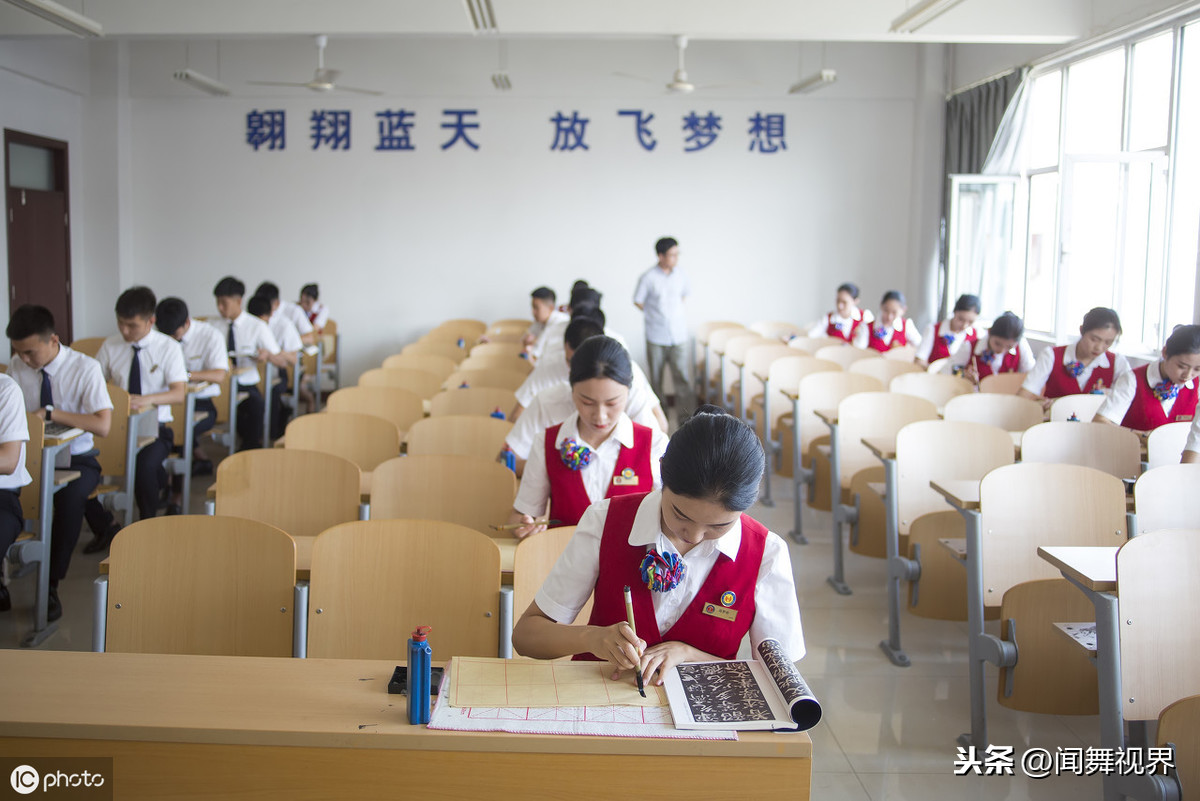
832, 330
1062, 382
898, 340
941, 350
620, 565
1146, 412
1008, 364
568, 497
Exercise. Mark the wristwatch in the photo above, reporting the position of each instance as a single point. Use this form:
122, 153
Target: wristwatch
49, 411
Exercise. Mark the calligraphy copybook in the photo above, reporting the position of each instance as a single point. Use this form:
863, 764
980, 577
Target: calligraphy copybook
743, 694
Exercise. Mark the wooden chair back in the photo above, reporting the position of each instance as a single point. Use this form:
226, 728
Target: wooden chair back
1113, 449
776, 329
466, 328
734, 354
811, 345
937, 365
705, 330
1157, 597
884, 369
511, 337
400, 406
201, 585
826, 390
758, 361
935, 388
473, 400
904, 353
716, 346
497, 361
845, 355
419, 382
466, 435
497, 379
435, 344
221, 402
535, 557
786, 373
88, 345
301, 492
1179, 725
1002, 383
31, 493
373, 582
1166, 497
509, 324
485, 349
1081, 408
943, 450
429, 362
1165, 444
471, 491
1027, 505
112, 456
329, 341
1010, 412
873, 414
364, 439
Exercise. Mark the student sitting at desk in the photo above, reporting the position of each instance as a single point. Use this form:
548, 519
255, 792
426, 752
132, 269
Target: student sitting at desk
681, 550
148, 365
1003, 350
286, 310
64, 386
248, 339
847, 321
1160, 392
958, 331
1080, 367
316, 311
14, 433
545, 319
597, 452
893, 329
289, 346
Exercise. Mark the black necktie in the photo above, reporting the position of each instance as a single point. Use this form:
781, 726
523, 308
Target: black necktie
229, 339
135, 374
47, 395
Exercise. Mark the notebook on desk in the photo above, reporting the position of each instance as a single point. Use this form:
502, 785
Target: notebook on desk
60, 432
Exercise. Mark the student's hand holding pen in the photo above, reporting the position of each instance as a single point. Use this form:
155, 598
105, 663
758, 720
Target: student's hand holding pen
524, 525
618, 645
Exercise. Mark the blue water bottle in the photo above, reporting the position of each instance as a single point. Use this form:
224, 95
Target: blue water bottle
420, 657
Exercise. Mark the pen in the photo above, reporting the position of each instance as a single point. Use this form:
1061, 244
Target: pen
629, 618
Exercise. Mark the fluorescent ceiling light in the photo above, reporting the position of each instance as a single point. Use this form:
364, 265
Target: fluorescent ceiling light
813, 82
62, 16
201, 82
501, 81
482, 16
921, 14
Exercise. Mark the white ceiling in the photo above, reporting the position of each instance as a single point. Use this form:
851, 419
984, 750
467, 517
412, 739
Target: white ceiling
972, 21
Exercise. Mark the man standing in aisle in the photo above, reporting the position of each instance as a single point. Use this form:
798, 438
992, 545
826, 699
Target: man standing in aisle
660, 294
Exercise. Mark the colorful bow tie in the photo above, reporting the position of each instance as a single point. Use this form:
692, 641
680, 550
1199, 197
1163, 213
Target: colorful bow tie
948, 339
662, 572
1075, 368
1165, 390
575, 455
878, 333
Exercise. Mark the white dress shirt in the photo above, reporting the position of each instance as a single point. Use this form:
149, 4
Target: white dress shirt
541, 331
1035, 382
296, 313
963, 355
661, 296
250, 334
535, 483
76, 382
161, 362
14, 427
1193, 440
286, 333
861, 334
935, 332
320, 314
204, 349
573, 578
555, 404
1117, 404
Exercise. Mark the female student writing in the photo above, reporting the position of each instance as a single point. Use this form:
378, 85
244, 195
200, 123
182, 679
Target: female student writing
1160, 392
847, 321
1081, 367
947, 338
893, 329
1003, 350
597, 452
682, 550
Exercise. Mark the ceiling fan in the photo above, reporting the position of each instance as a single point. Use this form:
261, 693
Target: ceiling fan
679, 83
323, 80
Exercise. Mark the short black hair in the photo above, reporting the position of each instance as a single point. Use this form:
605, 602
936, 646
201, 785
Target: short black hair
584, 294
229, 287
137, 301
1184, 339
170, 315
1100, 317
849, 288
894, 294
1007, 326
665, 244
968, 303
578, 285
580, 329
310, 291
601, 357
30, 320
268, 290
544, 293
715, 457
258, 305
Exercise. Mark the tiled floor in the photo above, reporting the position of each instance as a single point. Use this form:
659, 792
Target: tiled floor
887, 733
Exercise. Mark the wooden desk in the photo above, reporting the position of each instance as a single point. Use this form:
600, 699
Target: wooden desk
1093, 567
962, 495
192, 726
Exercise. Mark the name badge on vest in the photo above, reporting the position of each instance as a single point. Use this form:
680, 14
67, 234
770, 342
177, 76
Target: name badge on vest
627, 478
1183, 418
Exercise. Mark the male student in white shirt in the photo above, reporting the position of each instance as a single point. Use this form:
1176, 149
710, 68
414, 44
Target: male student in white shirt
248, 340
287, 310
545, 319
63, 386
316, 311
149, 365
289, 346
14, 433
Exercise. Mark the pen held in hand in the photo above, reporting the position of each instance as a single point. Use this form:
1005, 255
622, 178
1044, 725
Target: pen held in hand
629, 618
